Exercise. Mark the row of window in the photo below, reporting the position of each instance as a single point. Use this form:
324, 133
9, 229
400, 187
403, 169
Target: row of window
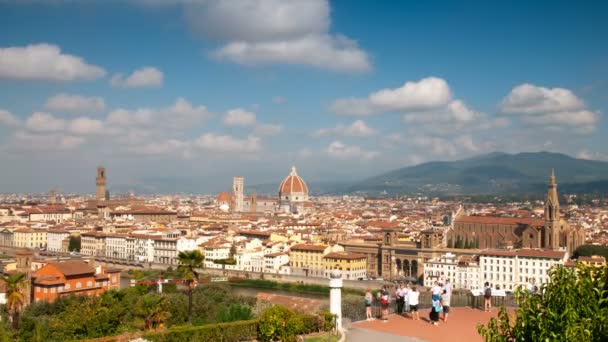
68, 286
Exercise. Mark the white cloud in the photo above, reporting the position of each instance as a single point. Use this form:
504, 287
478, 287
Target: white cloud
276, 31
140, 78
44, 122
258, 20
268, 129
75, 104
339, 150
180, 115
45, 142
553, 108
427, 93
530, 99
357, 129
169, 146
336, 53
227, 143
85, 126
45, 62
8, 119
239, 117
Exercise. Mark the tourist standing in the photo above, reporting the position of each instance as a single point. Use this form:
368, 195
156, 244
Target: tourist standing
532, 288
406, 302
399, 298
446, 297
412, 297
368, 304
435, 309
487, 297
384, 299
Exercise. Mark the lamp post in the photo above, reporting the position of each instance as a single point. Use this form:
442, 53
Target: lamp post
335, 296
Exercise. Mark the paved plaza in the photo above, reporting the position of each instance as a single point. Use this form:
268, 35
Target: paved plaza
461, 326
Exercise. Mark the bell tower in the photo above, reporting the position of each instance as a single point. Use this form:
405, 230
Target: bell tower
24, 260
552, 216
100, 182
237, 191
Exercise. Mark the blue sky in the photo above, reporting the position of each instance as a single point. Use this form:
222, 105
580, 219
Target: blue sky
191, 93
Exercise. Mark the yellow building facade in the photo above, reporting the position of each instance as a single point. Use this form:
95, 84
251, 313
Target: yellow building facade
352, 265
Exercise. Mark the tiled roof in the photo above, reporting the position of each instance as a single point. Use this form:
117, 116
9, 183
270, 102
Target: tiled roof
346, 256
72, 268
304, 247
500, 220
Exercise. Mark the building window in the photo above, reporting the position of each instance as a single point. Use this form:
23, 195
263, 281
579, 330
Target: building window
46, 290
52, 290
38, 289
89, 283
78, 285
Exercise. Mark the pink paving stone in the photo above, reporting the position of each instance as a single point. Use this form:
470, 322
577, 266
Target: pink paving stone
461, 325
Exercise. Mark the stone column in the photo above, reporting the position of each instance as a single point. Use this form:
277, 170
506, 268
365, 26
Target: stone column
335, 296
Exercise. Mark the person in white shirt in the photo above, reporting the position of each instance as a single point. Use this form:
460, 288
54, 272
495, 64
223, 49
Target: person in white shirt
406, 302
446, 297
413, 296
399, 299
436, 289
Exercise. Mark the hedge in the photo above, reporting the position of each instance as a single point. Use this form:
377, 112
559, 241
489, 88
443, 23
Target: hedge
221, 332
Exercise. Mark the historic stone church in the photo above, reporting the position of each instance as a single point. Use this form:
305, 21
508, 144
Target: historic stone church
551, 232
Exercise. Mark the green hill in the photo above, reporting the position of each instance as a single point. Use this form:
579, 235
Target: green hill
494, 173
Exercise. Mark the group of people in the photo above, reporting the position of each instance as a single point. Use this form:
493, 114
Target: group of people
407, 301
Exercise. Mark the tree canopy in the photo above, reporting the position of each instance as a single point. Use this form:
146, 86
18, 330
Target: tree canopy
573, 306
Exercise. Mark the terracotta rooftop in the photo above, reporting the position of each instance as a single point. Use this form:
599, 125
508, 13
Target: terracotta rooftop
304, 247
346, 256
72, 268
500, 220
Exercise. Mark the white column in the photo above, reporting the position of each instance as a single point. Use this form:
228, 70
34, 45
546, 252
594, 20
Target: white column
335, 296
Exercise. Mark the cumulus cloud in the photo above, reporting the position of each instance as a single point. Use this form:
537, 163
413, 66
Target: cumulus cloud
553, 108
140, 78
228, 143
357, 129
182, 114
339, 150
276, 31
268, 129
8, 119
427, 93
75, 104
45, 62
44, 122
45, 142
239, 117
85, 126
336, 53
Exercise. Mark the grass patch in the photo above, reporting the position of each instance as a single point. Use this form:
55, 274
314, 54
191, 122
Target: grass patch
322, 338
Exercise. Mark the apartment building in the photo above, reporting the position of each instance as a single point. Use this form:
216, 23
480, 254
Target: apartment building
307, 260
30, 238
55, 239
352, 265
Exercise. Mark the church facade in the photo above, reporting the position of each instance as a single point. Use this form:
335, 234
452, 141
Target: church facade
552, 232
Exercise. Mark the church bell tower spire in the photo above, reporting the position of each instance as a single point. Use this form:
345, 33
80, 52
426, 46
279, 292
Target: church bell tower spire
552, 215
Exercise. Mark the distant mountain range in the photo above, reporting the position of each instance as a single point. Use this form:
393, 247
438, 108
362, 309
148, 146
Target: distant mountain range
494, 173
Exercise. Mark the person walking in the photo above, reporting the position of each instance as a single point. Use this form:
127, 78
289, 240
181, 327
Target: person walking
384, 299
446, 297
368, 304
413, 296
487, 297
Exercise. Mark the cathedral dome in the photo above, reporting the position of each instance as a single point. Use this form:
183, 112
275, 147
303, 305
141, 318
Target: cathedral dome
293, 184
223, 197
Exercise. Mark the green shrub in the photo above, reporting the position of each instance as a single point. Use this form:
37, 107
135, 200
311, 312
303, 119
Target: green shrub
273, 324
224, 332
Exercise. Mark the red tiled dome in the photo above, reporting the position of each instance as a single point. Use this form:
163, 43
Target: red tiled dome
293, 183
223, 197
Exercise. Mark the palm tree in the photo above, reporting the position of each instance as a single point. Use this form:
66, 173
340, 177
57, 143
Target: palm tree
189, 261
150, 309
16, 285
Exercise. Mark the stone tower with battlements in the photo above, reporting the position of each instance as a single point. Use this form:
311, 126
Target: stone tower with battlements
552, 216
100, 182
237, 193
24, 265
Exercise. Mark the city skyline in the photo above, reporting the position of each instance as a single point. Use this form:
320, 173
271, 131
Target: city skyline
200, 91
